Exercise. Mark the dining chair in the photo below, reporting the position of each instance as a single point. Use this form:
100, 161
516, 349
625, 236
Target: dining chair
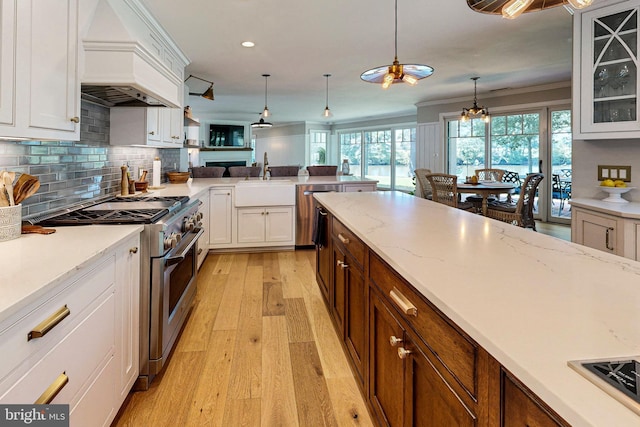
512, 177
560, 190
244, 171
207, 171
521, 212
490, 174
423, 189
445, 191
322, 170
283, 170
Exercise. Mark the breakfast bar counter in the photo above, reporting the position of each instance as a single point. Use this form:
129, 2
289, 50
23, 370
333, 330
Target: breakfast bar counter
532, 301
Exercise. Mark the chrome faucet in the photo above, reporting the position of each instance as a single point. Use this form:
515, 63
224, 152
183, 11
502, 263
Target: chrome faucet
265, 166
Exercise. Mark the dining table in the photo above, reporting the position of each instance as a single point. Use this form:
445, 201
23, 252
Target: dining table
485, 189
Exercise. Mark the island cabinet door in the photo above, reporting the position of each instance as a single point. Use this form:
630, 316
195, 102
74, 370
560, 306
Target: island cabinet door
386, 369
355, 318
430, 400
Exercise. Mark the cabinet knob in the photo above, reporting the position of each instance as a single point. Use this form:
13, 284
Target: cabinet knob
403, 352
75, 119
394, 341
133, 250
152, 133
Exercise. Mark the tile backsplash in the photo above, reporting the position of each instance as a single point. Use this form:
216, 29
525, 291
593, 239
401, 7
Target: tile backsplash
72, 172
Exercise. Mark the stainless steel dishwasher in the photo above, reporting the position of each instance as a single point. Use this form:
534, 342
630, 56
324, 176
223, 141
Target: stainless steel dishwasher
305, 212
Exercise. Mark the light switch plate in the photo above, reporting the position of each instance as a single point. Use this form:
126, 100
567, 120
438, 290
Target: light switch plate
614, 172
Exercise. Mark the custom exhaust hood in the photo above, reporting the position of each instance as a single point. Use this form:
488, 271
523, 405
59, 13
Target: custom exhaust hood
128, 59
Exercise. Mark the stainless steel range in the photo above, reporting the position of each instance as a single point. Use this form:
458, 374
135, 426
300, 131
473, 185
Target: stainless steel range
168, 268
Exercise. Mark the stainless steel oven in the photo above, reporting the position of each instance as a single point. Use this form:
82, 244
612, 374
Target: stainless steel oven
173, 288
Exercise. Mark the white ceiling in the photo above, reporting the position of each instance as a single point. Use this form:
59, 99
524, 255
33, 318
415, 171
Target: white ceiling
299, 41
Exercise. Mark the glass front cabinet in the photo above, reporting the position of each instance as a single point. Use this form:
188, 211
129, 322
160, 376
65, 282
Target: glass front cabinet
605, 72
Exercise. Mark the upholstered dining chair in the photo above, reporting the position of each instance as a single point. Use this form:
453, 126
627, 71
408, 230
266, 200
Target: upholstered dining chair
520, 213
445, 191
283, 170
322, 170
207, 171
244, 171
423, 189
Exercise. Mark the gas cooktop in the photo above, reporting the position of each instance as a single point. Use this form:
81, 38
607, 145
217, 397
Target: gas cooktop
119, 210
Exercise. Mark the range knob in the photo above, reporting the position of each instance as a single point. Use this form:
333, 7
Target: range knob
171, 241
199, 216
188, 224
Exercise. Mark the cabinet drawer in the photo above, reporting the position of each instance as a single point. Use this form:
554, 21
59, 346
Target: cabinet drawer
76, 295
351, 243
451, 346
78, 355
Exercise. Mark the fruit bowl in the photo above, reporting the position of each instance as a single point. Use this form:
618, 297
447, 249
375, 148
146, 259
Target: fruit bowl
615, 193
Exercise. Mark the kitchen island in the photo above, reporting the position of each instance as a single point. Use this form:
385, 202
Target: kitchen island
533, 302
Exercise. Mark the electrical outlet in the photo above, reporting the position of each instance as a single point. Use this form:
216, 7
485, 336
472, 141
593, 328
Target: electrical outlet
614, 172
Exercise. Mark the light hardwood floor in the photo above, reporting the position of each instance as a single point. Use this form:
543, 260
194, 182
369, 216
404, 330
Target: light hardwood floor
259, 349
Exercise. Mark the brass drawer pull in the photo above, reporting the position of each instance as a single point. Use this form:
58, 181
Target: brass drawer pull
341, 264
75, 119
401, 301
606, 241
133, 250
52, 391
49, 323
344, 240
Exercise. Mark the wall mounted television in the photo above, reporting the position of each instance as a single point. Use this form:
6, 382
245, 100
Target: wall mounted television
226, 136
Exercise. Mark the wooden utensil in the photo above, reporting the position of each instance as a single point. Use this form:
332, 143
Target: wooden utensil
4, 200
26, 187
143, 177
8, 178
36, 229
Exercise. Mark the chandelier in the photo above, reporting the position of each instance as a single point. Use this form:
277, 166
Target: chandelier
475, 110
261, 124
397, 72
511, 9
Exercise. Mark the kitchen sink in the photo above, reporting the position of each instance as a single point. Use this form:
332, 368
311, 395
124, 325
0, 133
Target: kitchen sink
265, 193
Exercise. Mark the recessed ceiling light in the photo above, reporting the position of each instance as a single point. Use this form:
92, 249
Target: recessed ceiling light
248, 44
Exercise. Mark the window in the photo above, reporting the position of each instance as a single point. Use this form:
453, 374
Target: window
318, 147
389, 155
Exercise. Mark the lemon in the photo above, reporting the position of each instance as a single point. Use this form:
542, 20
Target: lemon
619, 183
608, 183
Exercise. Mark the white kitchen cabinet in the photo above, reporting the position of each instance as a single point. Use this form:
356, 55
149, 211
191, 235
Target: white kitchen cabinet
358, 187
598, 231
81, 336
158, 127
266, 225
605, 76
220, 216
40, 97
203, 241
127, 351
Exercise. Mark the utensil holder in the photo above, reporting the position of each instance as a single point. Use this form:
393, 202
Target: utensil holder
10, 222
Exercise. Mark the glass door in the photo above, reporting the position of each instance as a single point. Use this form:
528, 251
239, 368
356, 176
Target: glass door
559, 208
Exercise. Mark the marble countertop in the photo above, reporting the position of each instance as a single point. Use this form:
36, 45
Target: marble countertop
624, 210
195, 187
532, 301
34, 263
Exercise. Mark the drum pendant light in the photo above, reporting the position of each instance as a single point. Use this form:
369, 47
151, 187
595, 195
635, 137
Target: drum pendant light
397, 72
327, 112
511, 9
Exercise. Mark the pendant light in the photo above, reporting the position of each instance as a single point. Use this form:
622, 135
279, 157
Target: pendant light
261, 124
397, 72
475, 110
265, 112
327, 112
511, 9
207, 94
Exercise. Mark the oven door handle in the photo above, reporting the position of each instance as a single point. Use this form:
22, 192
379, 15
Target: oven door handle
181, 256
